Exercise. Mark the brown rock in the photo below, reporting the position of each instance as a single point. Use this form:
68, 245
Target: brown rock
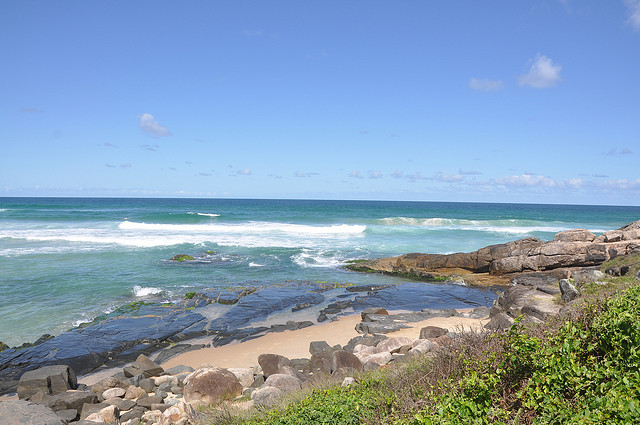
343, 359
211, 386
271, 363
50, 379
432, 332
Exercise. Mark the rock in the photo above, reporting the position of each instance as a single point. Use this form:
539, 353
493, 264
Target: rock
381, 358
283, 382
104, 384
181, 257
316, 347
72, 399
479, 312
166, 379
50, 379
148, 367
500, 321
349, 380
422, 346
271, 363
121, 403
392, 344
134, 413
266, 396
244, 375
148, 384
3, 346
91, 408
432, 332
343, 359
134, 392
176, 370
20, 412
569, 292
108, 415
147, 400
113, 392
575, 235
372, 310
67, 415
211, 386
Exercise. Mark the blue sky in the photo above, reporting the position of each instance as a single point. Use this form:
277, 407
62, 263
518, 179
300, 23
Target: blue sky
501, 101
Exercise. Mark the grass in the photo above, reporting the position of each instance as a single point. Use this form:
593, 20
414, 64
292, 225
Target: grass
581, 368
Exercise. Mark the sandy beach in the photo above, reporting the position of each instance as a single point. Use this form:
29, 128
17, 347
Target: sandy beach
295, 344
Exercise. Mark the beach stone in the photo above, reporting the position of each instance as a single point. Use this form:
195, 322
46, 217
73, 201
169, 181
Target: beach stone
349, 380
166, 379
104, 384
574, 235
147, 384
50, 379
120, 403
148, 400
244, 375
392, 344
424, 346
211, 386
148, 367
479, 312
109, 415
135, 380
133, 392
271, 363
569, 292
364, 315
283, 382
72, 399
174, 414
177, 370
266, 396
432, 332
91, 408
500, 321
381, 358
343, 359
113, 392
135, 413
21, 412
67, 415
316, 347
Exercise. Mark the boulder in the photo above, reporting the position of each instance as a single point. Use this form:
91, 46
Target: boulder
147, 366
72, 399
104, 384
500, 321
316, 347
134, 413
392, 344
343, 359
432, 332
283, 382
109, 415
271, 363
569, 292
176, 370
244, 375
113, 392
50, 379
120, 403
372, 310
20, 412
575, 235
134, 392
211, 386
266, 396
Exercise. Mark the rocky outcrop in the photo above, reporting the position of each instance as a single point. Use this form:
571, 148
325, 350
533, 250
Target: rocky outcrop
572, 248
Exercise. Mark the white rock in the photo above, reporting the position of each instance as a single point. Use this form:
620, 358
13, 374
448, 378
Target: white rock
166, 378
113, 392
348, 381
244, 375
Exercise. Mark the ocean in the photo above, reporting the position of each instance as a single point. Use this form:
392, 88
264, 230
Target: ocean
64, 261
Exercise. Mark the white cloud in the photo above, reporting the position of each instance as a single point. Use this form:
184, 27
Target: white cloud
355, 174
397, 174
301, 174
633, 10
447, 178
244, 172
527, 180
542, 74
485, 84
148, 124
375, 174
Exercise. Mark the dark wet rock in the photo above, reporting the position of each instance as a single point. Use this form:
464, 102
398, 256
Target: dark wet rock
367, 288
569, 292
322, 317
211, 386
364, 315
49, 379
272, 363
176, 350
20, 412
432, 332
337, 307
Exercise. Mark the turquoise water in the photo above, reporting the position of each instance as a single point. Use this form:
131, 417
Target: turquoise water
66, 260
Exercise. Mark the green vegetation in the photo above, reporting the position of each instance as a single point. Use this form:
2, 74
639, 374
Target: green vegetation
189, 295
182, 257
582, 368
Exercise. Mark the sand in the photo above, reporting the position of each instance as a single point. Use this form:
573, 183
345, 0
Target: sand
295, 344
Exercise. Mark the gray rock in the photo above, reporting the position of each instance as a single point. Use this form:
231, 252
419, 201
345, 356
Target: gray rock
135, 413
20, 412
569, 292
364, 315
50, 379
72, 400
283, 382
432, 332
266, 396
90, 408
176, 370
104, 384
391, 345
148, 400
67, 415
113, 392
500, 321
316, 347
148, 367
211, 386
147, 384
